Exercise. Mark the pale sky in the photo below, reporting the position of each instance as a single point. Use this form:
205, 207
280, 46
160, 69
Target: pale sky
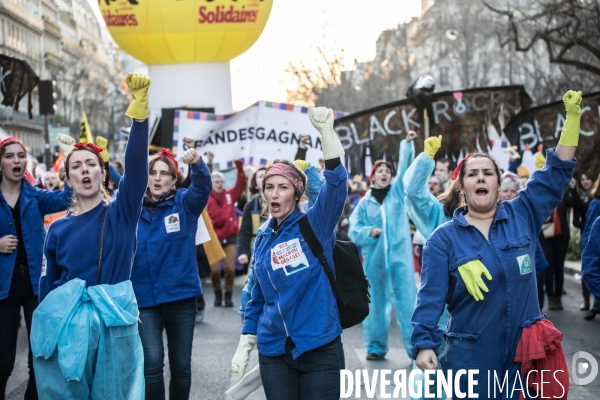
295, 25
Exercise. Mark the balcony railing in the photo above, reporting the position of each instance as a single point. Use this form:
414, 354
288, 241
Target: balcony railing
8, 114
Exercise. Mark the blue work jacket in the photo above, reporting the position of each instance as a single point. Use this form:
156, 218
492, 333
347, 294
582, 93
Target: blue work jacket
292, 296
35, 203
484, 335
165, 267
590, 259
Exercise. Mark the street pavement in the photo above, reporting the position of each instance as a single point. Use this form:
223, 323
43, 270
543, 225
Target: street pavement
216, 339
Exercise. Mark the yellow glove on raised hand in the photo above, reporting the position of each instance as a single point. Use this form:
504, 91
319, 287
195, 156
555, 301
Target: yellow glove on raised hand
302, 164
65, 143
540, 160
241, 358
570, 131
432, 145
471, 275
322, 120
139, 85
102, 142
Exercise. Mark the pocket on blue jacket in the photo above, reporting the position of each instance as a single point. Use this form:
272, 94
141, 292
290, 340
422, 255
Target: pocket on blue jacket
519, 257
461, 351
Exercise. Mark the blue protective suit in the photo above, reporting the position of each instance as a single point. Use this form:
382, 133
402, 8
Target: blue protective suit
484, 335
590, 259
387, 260
86, 345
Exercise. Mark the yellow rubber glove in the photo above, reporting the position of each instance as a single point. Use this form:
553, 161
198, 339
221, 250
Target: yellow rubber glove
570, 131
540, 160
139, 85
302, 164
102, 142
471, 275
432, 145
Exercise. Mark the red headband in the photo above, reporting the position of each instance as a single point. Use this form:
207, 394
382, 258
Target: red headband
459, 167
91, 146
167, 153
287, 172
11, 139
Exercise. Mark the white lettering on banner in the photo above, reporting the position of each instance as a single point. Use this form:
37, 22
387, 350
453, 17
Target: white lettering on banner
289, 256
172, 223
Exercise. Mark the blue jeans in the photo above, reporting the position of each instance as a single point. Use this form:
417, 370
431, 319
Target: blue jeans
315, 375
178, 319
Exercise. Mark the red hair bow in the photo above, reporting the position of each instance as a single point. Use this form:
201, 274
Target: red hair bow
91, 146
167, 153
459, 167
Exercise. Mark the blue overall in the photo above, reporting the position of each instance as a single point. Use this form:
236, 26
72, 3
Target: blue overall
484, 335
388, 260
590, 259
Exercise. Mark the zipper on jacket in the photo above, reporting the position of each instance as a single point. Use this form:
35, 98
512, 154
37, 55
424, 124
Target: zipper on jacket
278, 308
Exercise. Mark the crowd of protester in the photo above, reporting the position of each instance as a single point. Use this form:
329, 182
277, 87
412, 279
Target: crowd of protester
427, 230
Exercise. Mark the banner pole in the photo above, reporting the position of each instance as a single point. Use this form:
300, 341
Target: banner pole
426, 123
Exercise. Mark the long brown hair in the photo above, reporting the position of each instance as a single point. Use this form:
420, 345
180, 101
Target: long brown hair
451, 198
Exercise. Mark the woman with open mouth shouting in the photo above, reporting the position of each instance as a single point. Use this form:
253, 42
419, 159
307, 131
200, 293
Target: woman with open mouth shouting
85, 338
293, 314
379, 225
165, 270
22, 233
498, 240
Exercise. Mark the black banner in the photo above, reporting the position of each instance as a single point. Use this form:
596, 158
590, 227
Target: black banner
543, 124
461, 117
16, 80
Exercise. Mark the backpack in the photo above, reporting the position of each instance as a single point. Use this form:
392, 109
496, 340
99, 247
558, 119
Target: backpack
351, 286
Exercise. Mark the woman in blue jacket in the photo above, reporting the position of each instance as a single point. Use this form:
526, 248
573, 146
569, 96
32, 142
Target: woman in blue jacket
489, 236
22, 233
293, 313
96, 240
590, 260
379, 225
165, 270
593, 212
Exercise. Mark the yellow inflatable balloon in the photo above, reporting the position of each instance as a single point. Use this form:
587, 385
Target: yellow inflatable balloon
185, 31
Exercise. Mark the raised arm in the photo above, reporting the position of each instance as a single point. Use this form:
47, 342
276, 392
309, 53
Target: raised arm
406, 155
240, 182
135, 178
54, 201
423, 208
324, 215
197, 194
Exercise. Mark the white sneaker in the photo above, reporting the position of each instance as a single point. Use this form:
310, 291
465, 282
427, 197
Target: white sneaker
199, 316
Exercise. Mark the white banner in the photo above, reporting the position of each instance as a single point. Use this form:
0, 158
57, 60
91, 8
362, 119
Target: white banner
259, 134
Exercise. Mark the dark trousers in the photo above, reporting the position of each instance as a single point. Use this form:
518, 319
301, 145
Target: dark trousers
555, 250
540, 288
178, 319
315, 375
20, 295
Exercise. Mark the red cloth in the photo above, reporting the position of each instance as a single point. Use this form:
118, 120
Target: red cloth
221, 209
540, 349
557, 225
